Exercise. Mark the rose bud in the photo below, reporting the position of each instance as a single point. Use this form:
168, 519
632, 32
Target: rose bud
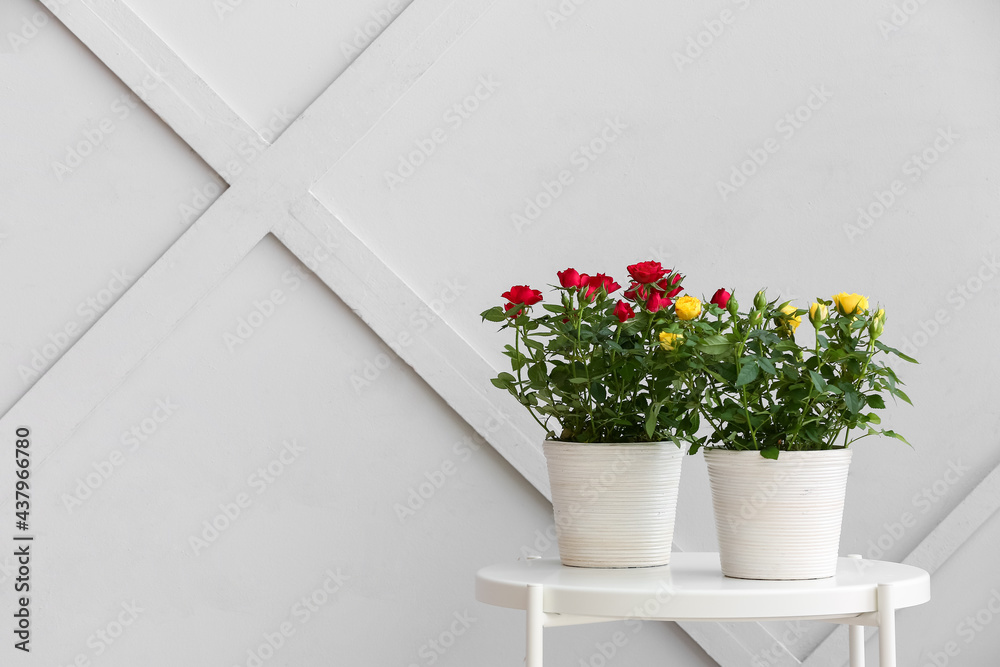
570, 278
667, 283
623, 311
760, 300
721, 298
818, 313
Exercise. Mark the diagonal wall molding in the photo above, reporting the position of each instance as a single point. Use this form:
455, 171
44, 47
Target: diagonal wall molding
931, 554
272, 196
144, 62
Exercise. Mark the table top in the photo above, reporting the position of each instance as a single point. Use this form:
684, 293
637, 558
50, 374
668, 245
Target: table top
693, 587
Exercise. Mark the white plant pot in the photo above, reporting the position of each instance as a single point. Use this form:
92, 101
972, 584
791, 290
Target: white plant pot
614, 504
778, 519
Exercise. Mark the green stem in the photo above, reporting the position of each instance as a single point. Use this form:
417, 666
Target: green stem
520, 380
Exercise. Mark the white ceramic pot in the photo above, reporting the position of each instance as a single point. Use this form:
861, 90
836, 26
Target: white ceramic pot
614, 504
778, 519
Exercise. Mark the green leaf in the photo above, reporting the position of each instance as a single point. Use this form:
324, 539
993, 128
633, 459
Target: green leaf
748, 373
885, 348
534, 344
902, 395
495, 314
853, 400
818, 381
766, 365
770, 452
893, 434
500, 383
578, 380
506, 377
715, 345
651, 419
873, 418
875, 401
598, 391
537, 374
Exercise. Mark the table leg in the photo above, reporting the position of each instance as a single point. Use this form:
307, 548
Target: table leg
886, 627
856, 638
536, 625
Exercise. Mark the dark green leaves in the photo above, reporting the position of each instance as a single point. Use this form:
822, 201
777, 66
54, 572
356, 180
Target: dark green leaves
748, 372
495, 314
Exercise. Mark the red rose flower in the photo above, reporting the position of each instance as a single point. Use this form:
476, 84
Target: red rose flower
595, 283
646, 272
623, 311
655, 302
523, 294
636, 290
518, 295
570, 278
667, 283
721, 297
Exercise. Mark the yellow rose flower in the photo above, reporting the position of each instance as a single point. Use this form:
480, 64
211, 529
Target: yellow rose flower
790, 322
850, 304
687, 307
670, 341
818, 313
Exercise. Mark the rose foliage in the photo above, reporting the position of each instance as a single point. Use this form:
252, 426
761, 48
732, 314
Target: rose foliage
656, 366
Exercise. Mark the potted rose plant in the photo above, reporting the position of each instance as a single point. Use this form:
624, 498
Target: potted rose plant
610, 384
783, 416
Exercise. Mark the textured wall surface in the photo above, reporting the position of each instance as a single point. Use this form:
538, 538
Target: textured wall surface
272, 484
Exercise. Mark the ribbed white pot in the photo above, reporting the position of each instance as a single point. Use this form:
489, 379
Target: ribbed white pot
778, 519
614, 504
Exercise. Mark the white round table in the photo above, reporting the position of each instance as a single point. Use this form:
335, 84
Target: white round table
693, 588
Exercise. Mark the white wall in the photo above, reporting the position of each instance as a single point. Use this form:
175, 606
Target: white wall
448, 230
